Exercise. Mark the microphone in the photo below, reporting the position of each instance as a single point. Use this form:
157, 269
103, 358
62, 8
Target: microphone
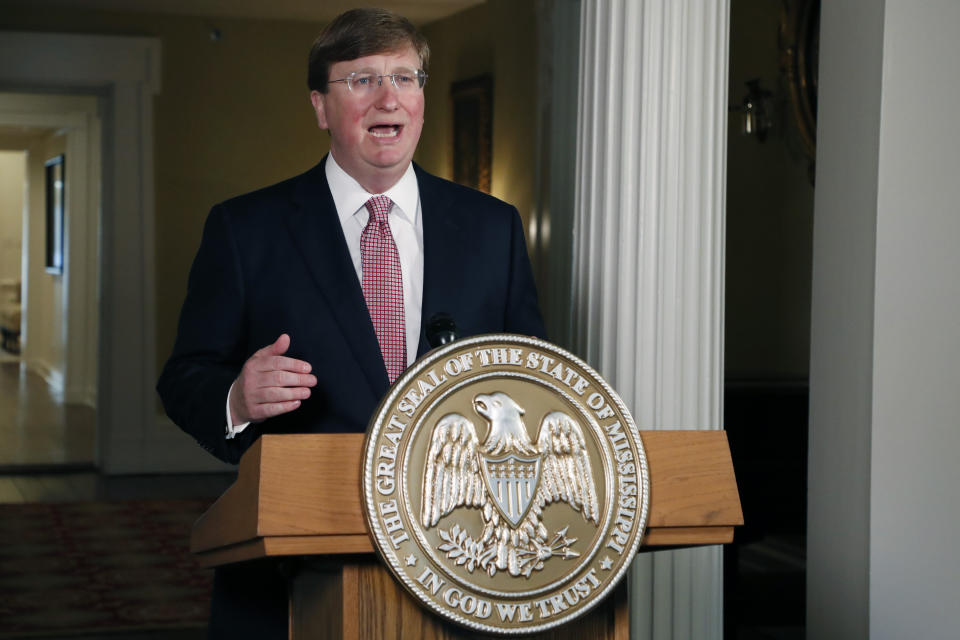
441, 329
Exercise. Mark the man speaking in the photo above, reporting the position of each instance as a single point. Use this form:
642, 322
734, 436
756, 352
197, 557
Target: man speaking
306, 299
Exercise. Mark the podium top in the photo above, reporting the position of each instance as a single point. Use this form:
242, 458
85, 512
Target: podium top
299, 494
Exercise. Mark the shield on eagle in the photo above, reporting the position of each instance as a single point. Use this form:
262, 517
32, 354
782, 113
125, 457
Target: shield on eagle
512, 482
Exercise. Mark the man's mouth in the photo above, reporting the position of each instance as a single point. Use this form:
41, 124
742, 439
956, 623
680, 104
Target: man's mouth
385, 130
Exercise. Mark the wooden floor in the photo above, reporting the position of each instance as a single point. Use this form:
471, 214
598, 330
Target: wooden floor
47, 451
36, 427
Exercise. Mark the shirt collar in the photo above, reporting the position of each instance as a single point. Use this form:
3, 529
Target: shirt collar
349, 197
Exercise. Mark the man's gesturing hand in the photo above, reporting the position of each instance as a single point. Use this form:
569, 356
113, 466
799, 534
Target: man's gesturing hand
270, 384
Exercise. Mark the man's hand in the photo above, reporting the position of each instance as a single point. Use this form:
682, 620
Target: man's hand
270, 384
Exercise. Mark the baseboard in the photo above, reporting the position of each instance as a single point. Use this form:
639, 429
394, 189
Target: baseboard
53, 377
89, 397
81, 395
168, 450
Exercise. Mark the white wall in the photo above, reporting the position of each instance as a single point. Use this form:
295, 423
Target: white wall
44, 344
12, 179
841, 321
915, 474
885, 337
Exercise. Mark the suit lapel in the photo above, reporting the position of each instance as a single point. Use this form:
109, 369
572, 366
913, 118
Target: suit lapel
442, 246
317, 234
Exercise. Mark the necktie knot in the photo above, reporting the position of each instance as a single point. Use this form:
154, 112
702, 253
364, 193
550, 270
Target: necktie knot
379, 208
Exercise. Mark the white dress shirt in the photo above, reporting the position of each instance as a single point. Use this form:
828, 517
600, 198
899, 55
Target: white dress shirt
406, 225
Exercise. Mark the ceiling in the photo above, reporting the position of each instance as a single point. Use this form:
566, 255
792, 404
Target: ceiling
418, 11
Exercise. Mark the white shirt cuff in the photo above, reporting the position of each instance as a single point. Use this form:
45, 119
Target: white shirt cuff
232, 430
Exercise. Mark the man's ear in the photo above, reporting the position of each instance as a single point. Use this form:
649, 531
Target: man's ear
319, 107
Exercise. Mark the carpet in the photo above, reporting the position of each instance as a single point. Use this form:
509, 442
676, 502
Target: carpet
76, 568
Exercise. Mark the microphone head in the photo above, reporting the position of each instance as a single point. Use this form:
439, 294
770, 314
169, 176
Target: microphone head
441, 329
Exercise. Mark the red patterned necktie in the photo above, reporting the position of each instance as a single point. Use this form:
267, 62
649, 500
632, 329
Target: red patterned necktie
383, 285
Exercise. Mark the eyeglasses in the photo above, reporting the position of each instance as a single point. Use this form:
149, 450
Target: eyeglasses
364, 83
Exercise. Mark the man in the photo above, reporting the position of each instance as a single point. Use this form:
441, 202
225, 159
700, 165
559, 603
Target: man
307, 298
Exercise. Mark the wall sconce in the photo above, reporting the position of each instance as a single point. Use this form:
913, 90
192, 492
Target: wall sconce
214, 32
755, 110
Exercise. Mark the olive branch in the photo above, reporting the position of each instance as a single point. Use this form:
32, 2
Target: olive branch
470, 554
467, 552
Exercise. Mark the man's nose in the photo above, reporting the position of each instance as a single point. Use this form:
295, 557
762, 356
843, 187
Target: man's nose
386, 93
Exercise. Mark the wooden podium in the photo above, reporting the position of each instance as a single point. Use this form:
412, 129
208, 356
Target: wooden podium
298, 496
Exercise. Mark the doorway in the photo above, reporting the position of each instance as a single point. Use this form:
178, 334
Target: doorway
770, 195
50, 230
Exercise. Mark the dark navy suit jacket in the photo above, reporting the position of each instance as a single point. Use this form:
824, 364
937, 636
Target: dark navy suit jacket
275, 261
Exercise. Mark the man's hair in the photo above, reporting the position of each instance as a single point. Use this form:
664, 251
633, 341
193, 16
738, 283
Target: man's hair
358, 33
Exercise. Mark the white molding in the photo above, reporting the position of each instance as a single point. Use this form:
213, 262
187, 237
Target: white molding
80, 290
79, 60
648, 250
49, 116
86, 397
45, 370
125, 73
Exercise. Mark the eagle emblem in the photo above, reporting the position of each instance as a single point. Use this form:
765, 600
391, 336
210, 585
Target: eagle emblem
510, 480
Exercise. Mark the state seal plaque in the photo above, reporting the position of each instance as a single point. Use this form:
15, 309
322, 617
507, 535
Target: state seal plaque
505, 484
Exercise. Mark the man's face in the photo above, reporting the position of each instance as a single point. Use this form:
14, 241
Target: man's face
372, 137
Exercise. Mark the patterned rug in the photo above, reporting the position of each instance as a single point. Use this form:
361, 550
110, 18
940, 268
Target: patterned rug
100, 567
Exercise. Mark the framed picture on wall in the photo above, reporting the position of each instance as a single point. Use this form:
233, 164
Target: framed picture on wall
473, 132
56, 199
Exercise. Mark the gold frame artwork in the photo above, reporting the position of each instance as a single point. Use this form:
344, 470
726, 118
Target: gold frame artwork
473, 132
